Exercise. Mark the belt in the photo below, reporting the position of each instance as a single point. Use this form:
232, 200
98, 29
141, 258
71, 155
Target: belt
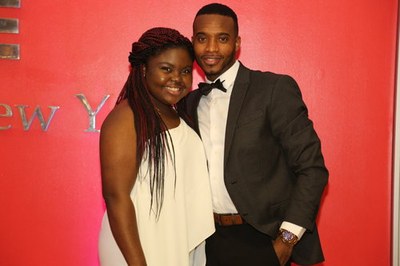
228, 219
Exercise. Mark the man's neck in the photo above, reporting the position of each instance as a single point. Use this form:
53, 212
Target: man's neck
209, 80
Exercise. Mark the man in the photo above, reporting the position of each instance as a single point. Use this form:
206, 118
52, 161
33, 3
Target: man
265, 163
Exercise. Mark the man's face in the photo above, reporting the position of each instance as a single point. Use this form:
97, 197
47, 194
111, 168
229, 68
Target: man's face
215, 44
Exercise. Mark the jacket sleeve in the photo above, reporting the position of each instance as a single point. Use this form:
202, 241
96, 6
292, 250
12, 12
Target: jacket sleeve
302, 148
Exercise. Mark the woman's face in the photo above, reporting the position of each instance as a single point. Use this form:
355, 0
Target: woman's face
169, 76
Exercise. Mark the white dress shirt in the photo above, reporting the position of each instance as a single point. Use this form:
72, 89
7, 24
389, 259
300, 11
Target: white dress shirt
212, 114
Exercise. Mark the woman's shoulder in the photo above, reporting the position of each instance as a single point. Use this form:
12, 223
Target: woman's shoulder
119, 120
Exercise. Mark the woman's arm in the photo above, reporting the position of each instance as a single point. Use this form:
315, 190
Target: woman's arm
118, 171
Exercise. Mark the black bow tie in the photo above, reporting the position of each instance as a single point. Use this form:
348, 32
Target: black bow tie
205, 88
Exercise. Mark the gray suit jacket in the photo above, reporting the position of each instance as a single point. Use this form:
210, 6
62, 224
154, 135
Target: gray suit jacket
274, 170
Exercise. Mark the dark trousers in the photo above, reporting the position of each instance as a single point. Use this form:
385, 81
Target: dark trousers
240, 245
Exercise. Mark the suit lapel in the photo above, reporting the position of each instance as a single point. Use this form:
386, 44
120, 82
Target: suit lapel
239, 91
194, 103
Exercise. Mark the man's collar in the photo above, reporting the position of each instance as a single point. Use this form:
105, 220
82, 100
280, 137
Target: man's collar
228, 76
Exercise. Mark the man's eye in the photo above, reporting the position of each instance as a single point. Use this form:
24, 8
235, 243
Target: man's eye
201, 39
223, 39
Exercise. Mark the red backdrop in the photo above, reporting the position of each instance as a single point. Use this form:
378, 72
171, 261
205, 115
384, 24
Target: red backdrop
342, 53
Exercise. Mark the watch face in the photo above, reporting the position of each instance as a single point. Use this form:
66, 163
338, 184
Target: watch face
288, 238
287, 235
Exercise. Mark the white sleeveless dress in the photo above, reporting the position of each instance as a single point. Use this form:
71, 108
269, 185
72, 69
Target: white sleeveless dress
186, 218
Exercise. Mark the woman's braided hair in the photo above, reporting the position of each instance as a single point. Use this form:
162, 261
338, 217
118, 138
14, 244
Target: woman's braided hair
151, 131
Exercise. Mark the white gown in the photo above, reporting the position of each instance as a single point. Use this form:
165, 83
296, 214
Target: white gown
186, 218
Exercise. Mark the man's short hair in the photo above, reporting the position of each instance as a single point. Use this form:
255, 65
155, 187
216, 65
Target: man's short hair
219, 9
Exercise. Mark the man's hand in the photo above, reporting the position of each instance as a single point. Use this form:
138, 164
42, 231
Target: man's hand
283, 251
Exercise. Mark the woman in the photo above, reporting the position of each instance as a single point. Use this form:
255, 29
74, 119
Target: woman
154, 173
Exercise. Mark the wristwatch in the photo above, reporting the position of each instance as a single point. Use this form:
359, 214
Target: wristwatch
288, 237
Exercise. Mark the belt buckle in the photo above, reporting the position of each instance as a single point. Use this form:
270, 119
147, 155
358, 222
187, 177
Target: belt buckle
228, 219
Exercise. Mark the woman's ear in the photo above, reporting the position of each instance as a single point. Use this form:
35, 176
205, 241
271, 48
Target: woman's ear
144, 71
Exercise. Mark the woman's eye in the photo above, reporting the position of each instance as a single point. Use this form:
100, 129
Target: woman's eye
187, 71
166, 69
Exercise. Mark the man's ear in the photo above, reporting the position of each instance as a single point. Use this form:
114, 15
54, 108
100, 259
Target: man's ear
237, 43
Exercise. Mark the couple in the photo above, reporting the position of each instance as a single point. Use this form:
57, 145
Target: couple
258, 165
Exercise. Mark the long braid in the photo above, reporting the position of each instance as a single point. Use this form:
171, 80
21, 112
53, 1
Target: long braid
153, 139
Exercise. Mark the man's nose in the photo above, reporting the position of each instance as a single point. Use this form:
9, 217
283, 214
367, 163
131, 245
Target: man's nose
212, 45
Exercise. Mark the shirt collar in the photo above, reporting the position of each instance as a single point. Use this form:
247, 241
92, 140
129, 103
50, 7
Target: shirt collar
228, 76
